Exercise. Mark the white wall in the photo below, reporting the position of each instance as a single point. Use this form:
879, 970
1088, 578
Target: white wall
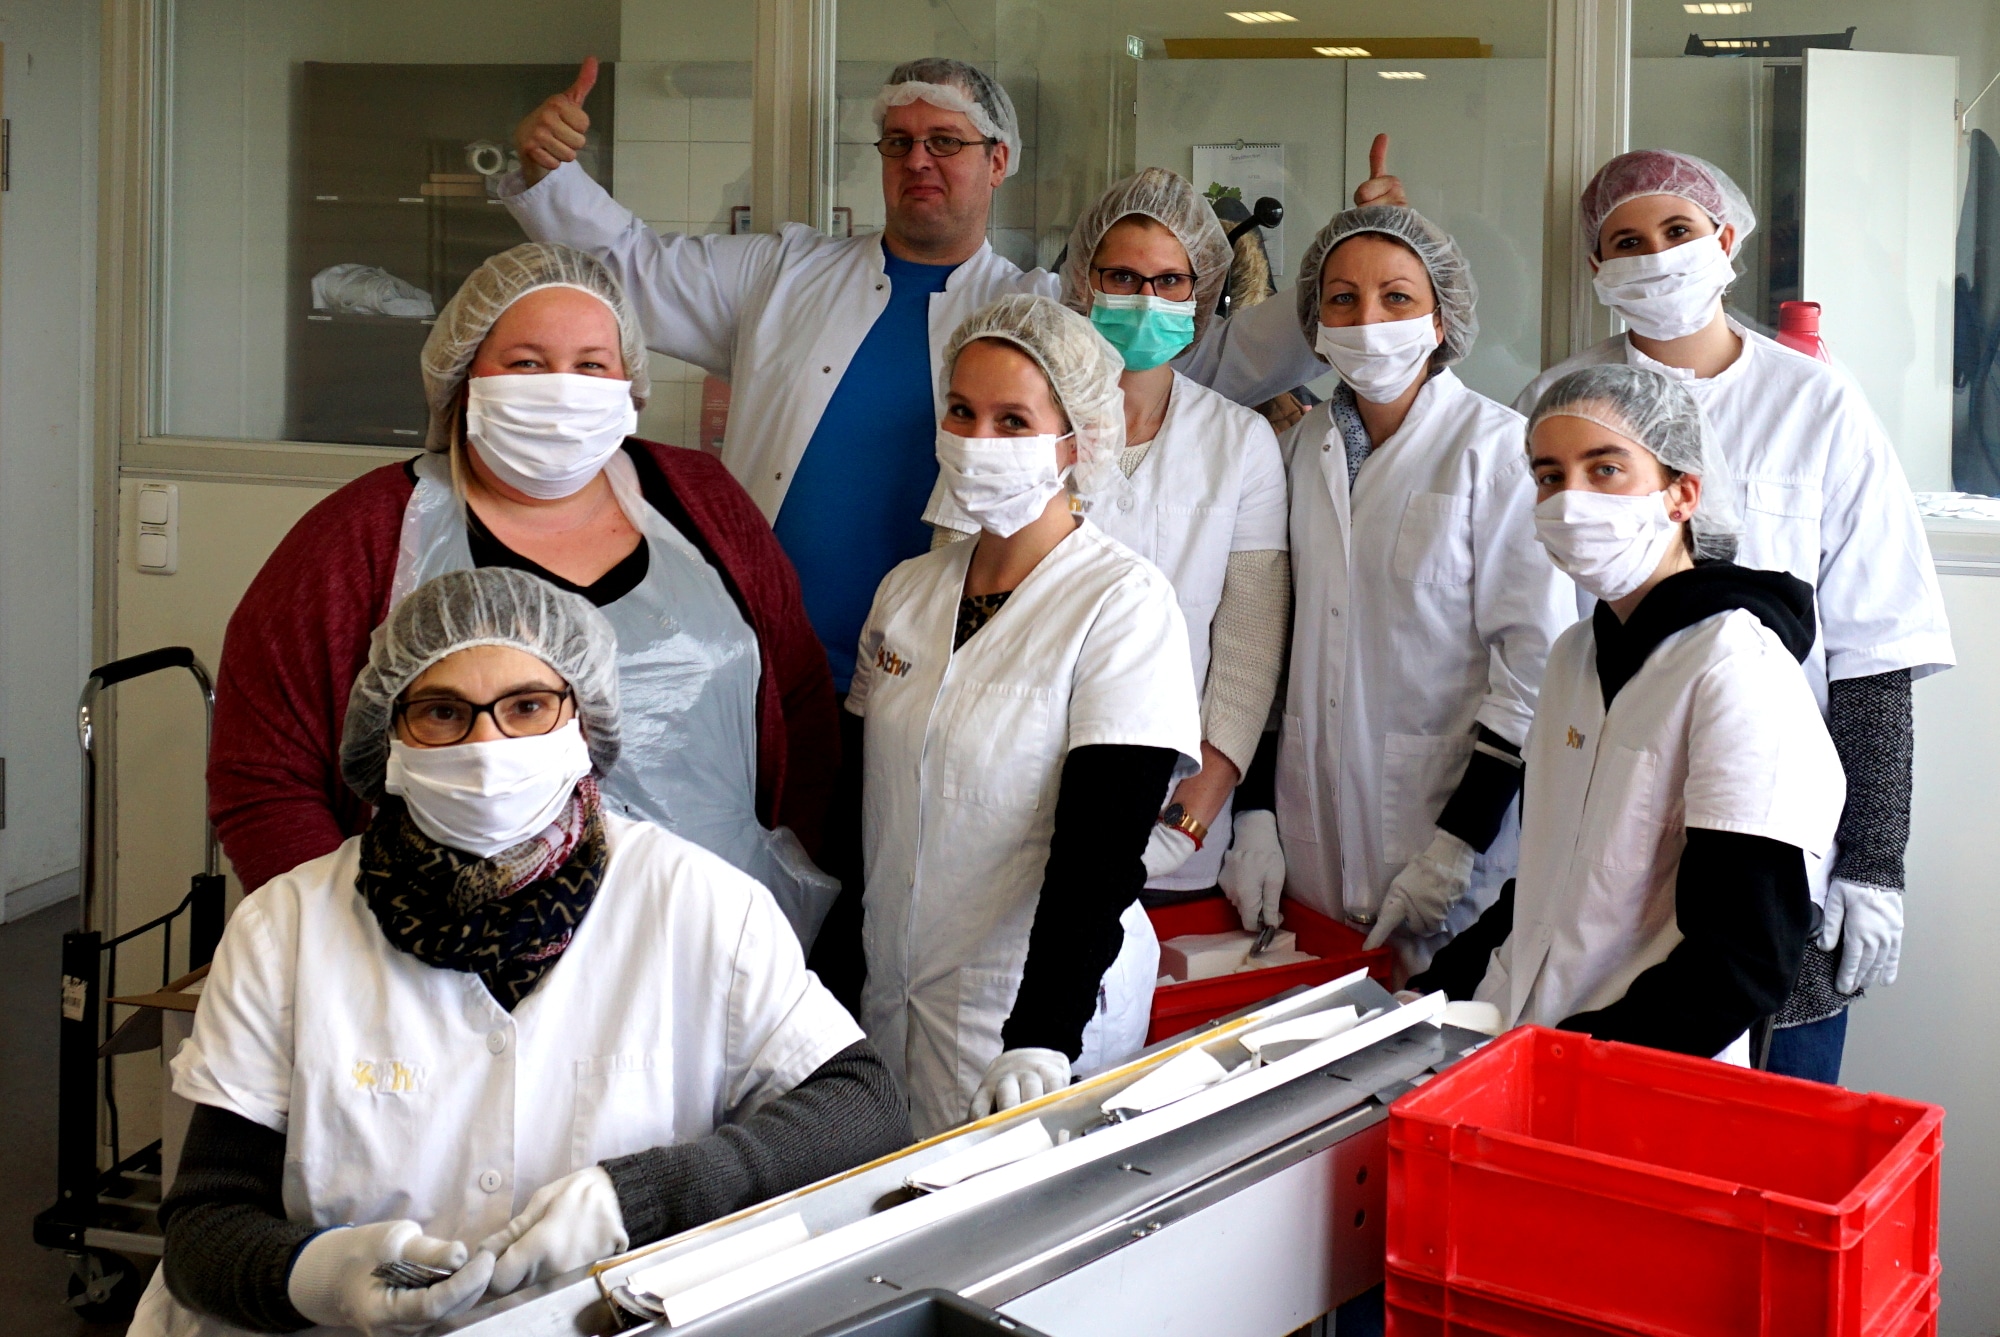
47, 268
1931, 1035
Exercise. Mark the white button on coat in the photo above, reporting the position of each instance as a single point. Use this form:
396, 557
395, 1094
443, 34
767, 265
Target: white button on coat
1717, 730
1090, 649
1439, 610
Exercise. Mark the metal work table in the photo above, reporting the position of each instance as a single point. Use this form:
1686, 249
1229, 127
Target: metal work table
1254, 1220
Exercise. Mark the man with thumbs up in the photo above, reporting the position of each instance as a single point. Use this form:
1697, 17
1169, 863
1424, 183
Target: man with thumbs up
829, 343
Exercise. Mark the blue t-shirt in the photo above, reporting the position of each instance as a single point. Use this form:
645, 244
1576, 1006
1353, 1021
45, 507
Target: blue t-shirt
857, 498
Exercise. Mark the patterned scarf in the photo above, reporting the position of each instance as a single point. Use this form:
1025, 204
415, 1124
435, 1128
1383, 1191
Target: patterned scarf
508, 918
1353, 432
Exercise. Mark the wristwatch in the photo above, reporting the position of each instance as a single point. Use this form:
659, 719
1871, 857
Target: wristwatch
1180, 819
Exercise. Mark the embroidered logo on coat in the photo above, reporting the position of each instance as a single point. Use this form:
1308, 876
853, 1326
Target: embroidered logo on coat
388, 1076
1574, 739
890, 662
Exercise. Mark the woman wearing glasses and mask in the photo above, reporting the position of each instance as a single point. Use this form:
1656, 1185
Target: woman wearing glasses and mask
1027, 702
503, 1031
1425, 611
1199, 491
535, 371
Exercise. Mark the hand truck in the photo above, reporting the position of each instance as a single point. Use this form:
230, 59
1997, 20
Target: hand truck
102, 1215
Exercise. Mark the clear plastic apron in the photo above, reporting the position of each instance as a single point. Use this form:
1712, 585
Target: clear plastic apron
688, 668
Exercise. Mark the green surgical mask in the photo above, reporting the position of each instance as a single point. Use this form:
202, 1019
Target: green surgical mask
1145, 330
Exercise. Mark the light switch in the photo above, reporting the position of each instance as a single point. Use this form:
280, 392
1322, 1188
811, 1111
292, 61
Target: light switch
158, 542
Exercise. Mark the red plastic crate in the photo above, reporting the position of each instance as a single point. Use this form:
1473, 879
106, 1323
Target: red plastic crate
1414, 1309
1182, 1007
1655, 1193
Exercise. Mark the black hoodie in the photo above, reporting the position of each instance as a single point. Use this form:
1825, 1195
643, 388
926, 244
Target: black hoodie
1740, 901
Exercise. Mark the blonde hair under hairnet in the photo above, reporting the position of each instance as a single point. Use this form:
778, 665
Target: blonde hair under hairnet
493, 287
1658, 413
1170, 200
1451, 276
488, 605
1082, 371
955, 86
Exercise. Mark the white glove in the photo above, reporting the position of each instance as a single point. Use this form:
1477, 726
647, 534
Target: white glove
332, 1281
1253, 872
1868, 923
1017, 1077
568, 1223
1424, 892
1166, 850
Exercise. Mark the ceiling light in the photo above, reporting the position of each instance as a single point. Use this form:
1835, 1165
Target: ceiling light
1402, 74
1260, 16
1349, 52
1728, 7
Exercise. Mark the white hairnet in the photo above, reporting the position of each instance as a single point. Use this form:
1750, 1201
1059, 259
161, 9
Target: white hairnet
1658, 413
496, 285
1170, 200
488, 605
1663, 172
1451, 276
955, 86
1082, 370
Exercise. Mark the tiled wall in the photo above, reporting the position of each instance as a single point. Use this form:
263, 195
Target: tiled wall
683, 162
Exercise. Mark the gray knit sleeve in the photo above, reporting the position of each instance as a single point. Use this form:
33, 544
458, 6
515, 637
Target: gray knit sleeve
1874, 733
847, 1112
229, 1246
1246, 652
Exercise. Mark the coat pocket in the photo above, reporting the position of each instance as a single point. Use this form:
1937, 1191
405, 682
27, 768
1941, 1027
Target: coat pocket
999, 745
1419, 772
1298, 785
1624, 818
624, 1103
1434, 543
1782, 523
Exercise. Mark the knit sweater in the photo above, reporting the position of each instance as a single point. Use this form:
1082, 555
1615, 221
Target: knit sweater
300, 636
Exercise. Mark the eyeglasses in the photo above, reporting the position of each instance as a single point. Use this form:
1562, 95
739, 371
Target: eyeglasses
1125, 283
440, 721
938, 146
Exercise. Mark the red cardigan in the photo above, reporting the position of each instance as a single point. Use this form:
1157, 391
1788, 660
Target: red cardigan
300, 637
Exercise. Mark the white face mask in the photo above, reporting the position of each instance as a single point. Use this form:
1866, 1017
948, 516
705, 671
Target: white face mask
1003, 483
548, 433
1607, 542
486, 797
1669, 294
1379, 361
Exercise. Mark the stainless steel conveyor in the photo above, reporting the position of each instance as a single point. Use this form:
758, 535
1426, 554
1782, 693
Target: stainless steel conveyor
1247, 1210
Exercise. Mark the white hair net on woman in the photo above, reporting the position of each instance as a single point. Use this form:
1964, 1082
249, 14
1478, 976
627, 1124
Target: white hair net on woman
955, 86
493, 287
488, 605
1662, 172
1082, 371
1658, 413
1170, 200
1451, 276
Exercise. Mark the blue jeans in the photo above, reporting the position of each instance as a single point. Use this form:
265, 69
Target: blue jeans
1811, 1051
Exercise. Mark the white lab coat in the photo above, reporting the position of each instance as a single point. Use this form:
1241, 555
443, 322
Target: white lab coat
1423, 607
1822, 495
964, 754
1212, 484
779, 315
404, 1090
1717, 730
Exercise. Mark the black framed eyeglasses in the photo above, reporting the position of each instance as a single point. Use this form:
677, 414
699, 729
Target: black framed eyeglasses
1125, 283
440, 721
938, 146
